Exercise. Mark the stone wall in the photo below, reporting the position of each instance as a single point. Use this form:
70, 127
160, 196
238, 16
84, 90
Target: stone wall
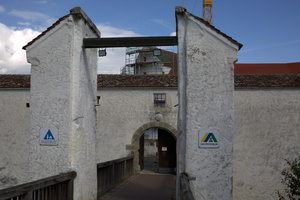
206, 84
63, 97
266, 132
14, 133
122, 112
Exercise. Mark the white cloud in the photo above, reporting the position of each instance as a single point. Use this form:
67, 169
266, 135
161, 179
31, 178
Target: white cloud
2, 9
110, 31
12, 56
173, 34
24, 23
28, 15
111, 63
44, 20
115, 58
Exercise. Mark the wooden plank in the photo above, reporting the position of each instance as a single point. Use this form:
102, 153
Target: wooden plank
27, 188
104, 164
113, 172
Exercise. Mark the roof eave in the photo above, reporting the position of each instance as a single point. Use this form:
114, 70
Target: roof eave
181, 10
76, 11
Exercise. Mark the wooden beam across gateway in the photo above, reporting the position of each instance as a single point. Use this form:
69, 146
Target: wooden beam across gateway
130, 42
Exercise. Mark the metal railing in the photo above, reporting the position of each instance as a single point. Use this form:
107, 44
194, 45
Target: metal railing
110, 173
185, 190
59, 187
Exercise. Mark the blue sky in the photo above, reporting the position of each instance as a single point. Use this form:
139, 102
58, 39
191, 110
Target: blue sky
268, 29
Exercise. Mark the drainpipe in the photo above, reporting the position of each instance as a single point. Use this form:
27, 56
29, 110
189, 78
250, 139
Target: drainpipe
181, 22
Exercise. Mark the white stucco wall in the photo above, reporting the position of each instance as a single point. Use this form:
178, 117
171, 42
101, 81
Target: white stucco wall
206, 85
267, 131
63, 96
124, 111
50, 100
121, 113
14, 134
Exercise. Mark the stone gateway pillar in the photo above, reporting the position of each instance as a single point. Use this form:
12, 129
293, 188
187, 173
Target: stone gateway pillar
206, 60
62, 103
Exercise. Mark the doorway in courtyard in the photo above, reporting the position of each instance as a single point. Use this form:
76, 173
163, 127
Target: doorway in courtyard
157, 152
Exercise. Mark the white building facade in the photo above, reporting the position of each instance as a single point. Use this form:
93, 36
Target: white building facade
266, 126
104, 118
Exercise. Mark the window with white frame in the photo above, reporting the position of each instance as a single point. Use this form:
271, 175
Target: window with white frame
159, 99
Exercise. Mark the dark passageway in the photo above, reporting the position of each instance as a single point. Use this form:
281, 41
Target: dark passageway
157, 151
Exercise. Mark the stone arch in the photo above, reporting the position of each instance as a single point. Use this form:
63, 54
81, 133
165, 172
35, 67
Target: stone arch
135, 141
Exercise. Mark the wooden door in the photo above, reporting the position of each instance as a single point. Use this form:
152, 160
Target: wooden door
166, 151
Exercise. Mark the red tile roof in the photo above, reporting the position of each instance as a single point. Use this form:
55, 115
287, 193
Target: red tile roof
138, 80
267, 80
161, 81
14, 81
267, 68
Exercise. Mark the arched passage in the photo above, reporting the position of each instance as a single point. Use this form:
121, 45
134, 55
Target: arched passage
135, 142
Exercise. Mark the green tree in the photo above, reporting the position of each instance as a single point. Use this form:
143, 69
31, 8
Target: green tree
291, 180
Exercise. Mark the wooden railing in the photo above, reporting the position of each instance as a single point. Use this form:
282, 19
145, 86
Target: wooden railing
59, 187
185, 190
110, 173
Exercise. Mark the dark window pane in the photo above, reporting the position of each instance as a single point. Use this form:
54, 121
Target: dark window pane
160, 100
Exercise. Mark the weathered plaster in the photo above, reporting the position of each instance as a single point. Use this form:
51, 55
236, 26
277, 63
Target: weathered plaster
14, 133
266, 120
50, 100
125, 114
260, 147
266, 133
207, 91
63, 95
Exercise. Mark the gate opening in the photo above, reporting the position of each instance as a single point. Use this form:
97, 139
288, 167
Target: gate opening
157, 153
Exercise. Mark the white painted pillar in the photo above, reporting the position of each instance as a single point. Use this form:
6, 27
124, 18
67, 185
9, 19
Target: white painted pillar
206, 84
63, 98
